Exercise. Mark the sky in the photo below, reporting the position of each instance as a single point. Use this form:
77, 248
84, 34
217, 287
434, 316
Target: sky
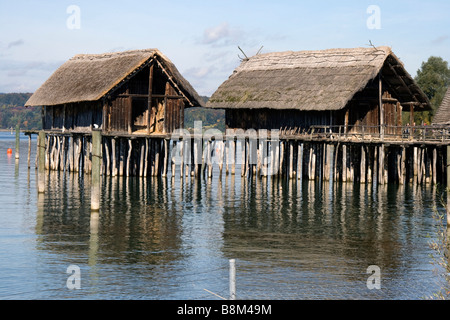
202, 38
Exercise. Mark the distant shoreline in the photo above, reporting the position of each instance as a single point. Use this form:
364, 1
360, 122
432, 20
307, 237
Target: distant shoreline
14, 130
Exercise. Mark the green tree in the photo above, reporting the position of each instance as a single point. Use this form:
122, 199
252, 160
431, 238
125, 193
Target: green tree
433, 78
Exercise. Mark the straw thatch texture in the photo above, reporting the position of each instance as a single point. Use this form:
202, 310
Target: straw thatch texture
305, 80
442, 116
89, 77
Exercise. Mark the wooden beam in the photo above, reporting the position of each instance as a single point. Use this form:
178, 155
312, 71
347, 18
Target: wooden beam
380, 103
149, 96
173, 82
402, 81
145, 96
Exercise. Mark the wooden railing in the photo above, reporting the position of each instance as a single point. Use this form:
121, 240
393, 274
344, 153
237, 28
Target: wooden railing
406, 134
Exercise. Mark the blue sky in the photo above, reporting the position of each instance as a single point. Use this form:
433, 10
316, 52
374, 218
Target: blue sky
202, 37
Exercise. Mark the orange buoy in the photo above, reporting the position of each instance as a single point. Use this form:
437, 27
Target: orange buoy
9, 151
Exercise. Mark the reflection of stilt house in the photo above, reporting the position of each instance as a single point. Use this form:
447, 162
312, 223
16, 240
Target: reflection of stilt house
138, 91
338, 87
442, 116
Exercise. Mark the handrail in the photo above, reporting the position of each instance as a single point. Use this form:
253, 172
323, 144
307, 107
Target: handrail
426, 133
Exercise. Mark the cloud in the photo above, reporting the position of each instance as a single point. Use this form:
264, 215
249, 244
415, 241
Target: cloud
215, 34
222, 35
440, 40
19, 75
15, 43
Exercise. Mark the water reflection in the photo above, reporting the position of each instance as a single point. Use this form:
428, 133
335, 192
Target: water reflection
170, 237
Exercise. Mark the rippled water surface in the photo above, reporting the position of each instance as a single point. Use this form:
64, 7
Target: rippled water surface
172, 239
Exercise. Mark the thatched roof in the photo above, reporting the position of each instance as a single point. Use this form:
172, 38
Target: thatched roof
313, 80
442, 116
89, 77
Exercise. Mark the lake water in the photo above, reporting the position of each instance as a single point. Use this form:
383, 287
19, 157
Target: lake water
170, 239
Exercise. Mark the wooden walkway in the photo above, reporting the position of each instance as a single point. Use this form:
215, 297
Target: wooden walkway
353, 154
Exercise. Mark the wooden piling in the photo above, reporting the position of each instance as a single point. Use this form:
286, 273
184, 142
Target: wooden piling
434, 165
29, 151
291, 159
17, 141
209, 159
448, 186
41, 161
363, 172
331, 155
300, 161
96, 167
130, 149
113, 157
166, 157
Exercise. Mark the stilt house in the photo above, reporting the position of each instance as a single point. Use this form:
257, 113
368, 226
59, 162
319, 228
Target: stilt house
131, 92
355, 89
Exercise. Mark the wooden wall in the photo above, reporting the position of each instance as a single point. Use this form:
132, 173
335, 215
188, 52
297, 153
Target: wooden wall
361, 113
74, 117
127, 111
275, 119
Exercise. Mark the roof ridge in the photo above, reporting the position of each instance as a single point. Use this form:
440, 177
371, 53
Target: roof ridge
106, 55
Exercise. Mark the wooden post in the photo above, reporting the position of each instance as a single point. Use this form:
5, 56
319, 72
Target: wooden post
265, 157
121, 156
174, 148
187, 156
349, 163
108, 163
380, 102
434, 165
29, 151
221, 146
196, 156
232, 279
344, 163
41, 162
166, 157
130, 149
415, 161
300, 161
149, 99
243, 162
330, 155
232, 151
381, 165
113, 157
209, 160
17, 141
291, 159
282, 152
362, 178
276, 160
326, 163
142, 159
96, 166
181, 146
72, 153
157, 156
146, 157
57, 152
403, 164
259, 157
448, 186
